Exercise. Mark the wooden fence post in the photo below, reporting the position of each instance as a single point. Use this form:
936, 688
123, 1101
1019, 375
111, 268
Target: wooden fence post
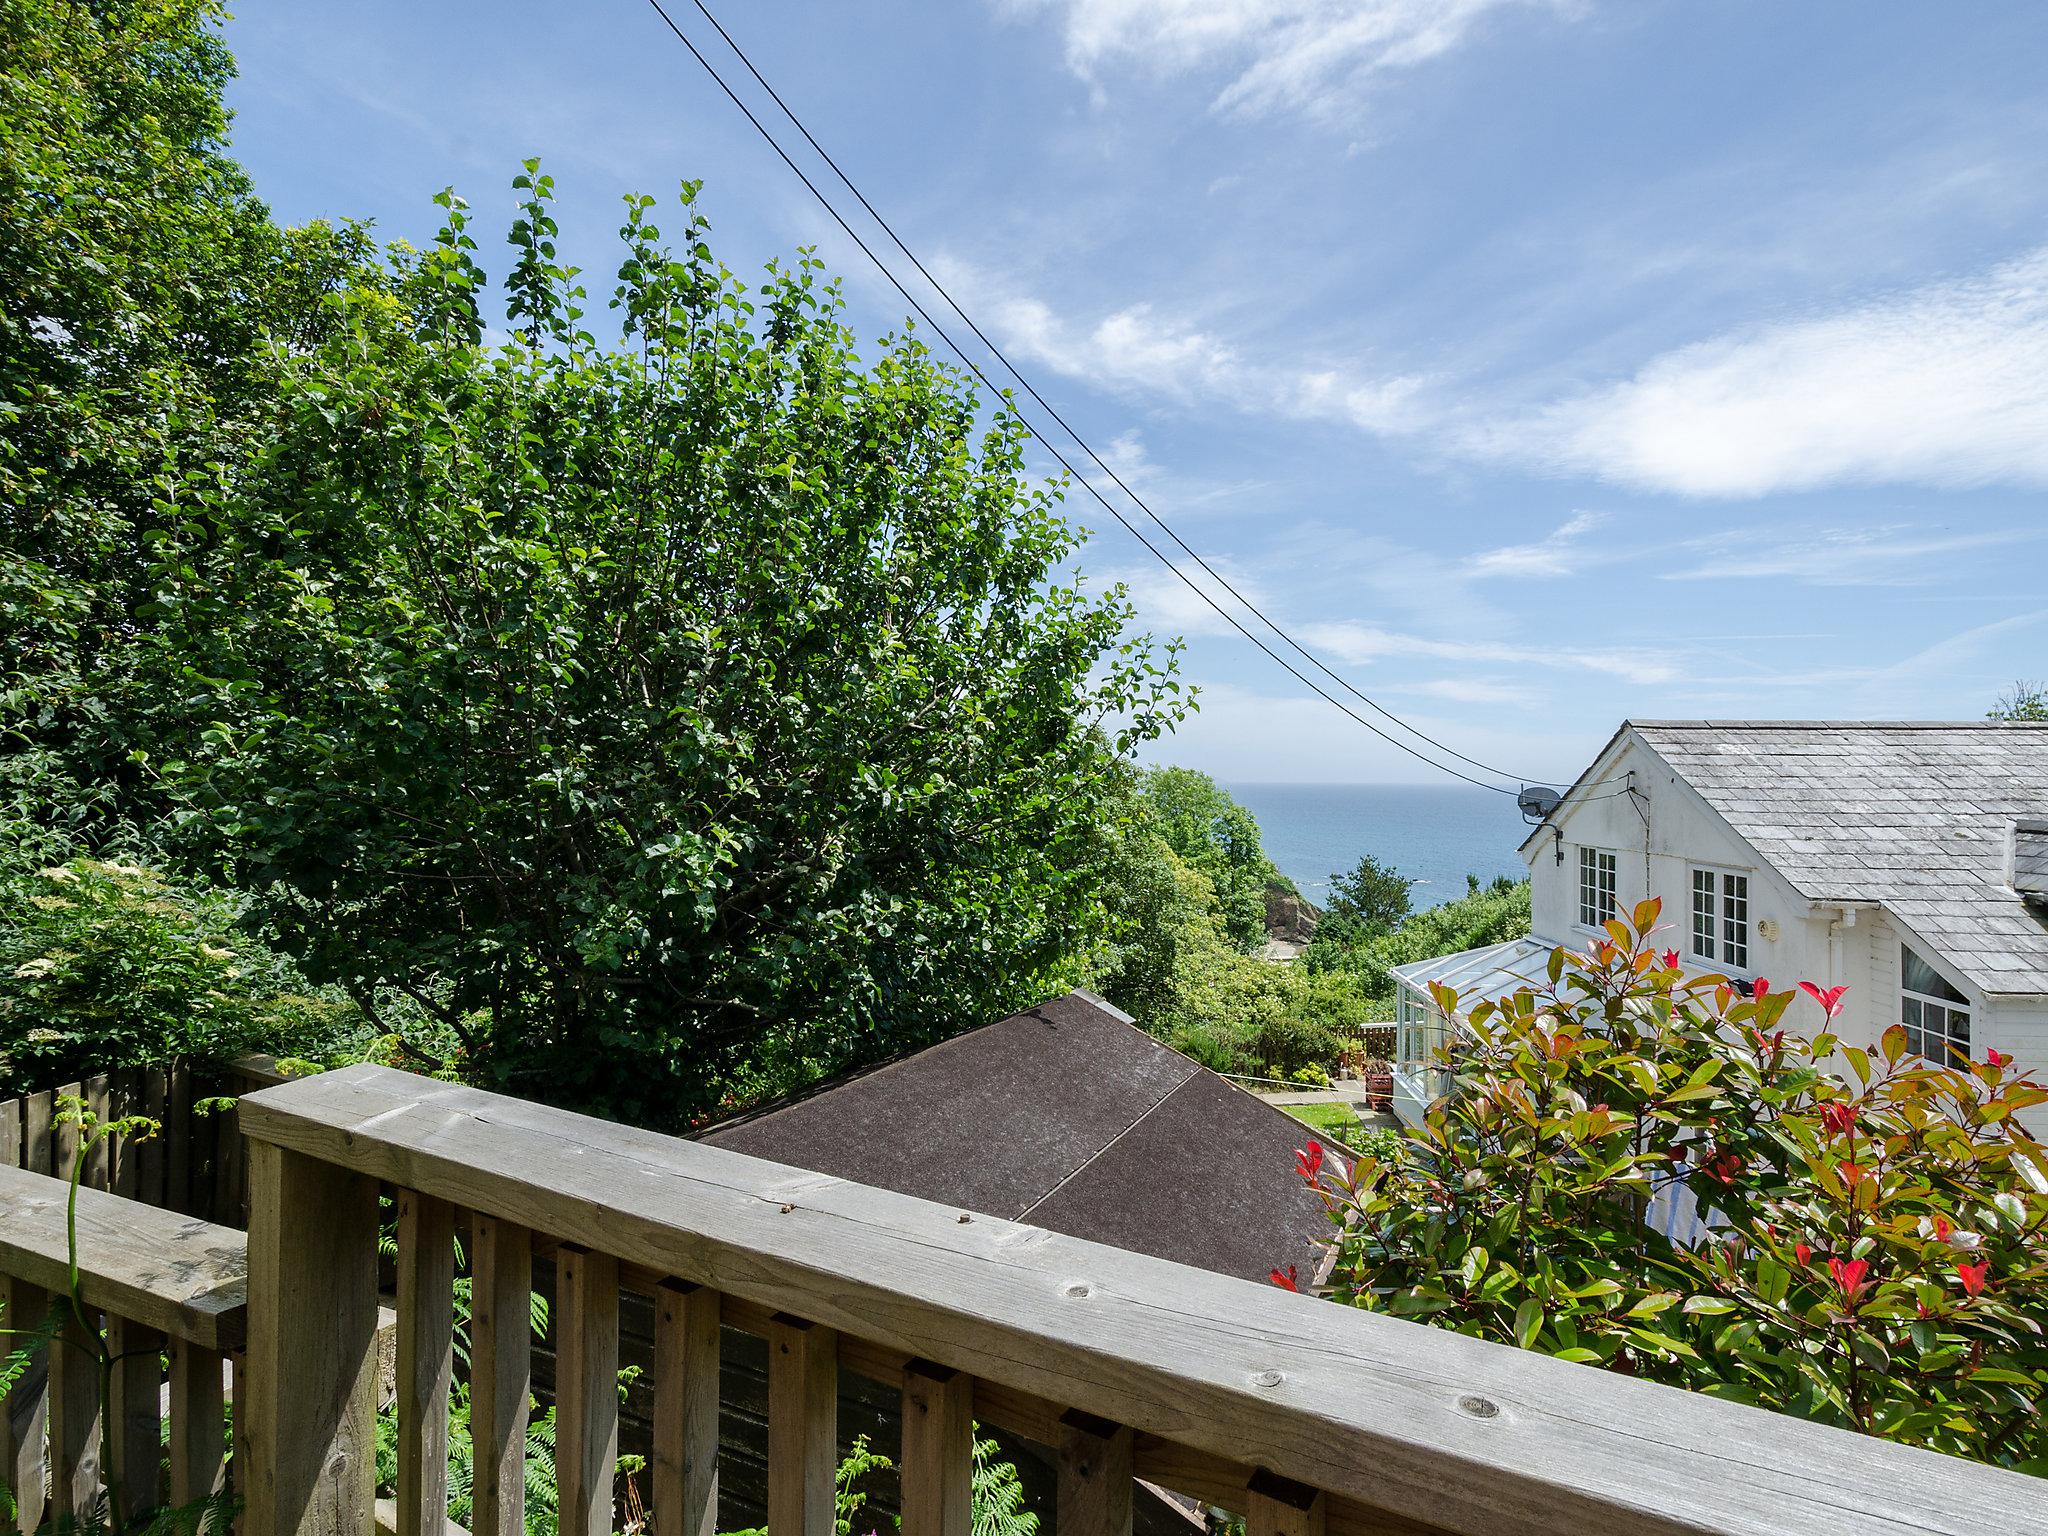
312, 1348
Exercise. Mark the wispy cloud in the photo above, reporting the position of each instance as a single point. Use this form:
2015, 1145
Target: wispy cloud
1318, 57
1360, 644
1561, 554
1141, 353
1944, 385
1885, 555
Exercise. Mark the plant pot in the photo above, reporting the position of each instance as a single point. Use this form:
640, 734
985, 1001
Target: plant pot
1379, 1090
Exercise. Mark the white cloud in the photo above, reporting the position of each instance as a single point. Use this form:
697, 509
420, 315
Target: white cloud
1883, 555
1360, 644
1560, 554
1945, 385
1139, 353
1314, 56
1463, 690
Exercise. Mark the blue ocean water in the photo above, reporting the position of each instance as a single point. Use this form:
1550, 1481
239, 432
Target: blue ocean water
1435, 834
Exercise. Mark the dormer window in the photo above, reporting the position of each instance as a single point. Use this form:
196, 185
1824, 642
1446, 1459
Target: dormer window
1936, 1014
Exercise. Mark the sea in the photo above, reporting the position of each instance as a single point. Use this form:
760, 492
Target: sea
1435, 834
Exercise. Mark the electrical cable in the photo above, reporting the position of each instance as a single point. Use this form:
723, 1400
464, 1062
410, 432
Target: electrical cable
1051, 411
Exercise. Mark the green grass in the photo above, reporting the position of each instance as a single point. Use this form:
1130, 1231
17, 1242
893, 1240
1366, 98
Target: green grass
1336, 1121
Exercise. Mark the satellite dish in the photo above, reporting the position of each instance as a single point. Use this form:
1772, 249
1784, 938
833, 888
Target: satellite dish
1537, 802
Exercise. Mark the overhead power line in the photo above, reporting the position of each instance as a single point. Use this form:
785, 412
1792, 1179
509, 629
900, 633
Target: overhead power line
1045, 405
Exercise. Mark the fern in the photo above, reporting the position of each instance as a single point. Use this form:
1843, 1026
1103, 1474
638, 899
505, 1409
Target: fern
999, 1495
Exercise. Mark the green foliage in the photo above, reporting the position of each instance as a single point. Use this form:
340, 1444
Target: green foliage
105, 964
1372, 899
1212, 833
139, 279
696, 715
1876, 1257
1486, 914
2025, 700
1170, 958
998, 1495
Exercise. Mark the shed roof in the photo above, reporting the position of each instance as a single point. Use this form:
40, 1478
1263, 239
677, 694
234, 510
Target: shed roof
1069, 1117
1919, 817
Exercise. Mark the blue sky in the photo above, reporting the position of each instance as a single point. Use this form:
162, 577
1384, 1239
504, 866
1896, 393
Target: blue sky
1540, 363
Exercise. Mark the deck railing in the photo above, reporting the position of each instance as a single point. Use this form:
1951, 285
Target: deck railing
1305, 1417
160, 1286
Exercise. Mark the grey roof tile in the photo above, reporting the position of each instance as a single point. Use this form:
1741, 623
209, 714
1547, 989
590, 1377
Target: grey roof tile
1917, 814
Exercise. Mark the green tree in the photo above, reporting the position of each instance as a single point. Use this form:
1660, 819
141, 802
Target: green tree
141, 285
695, 714
1374, 896
1210, 831
2024, 701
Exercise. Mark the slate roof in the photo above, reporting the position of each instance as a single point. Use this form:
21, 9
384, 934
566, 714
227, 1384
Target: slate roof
1072, 1118
1917, 816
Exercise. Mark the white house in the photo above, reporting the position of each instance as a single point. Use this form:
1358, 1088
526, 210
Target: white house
1906, 860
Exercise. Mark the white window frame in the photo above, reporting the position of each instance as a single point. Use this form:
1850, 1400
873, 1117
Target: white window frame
1726, 914
1599, 875
1948, 1009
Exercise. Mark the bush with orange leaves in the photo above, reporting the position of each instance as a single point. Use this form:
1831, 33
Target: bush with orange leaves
1875, 1253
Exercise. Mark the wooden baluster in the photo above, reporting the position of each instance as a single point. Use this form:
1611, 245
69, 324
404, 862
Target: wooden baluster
311, 1401
38, 1154
685, 1410
938, 1450
75, 1439
586, 1388
1279, 1506
198, 1431
23, 1415
1095, 1476
426, 1359
10, 1133
803, 1426
500, 1372
135, 1438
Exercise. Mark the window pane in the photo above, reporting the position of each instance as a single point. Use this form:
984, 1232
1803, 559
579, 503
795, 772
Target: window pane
1703, 913
1735, 919
1918, 976
1909, 1010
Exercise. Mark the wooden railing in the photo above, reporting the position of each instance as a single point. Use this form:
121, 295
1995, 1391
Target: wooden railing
1308, 1418
160, 1286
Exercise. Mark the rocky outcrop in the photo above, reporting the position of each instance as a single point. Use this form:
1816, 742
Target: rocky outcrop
1289, 917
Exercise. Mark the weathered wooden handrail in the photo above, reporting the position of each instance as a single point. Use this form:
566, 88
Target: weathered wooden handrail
163, 1283
1305, 1416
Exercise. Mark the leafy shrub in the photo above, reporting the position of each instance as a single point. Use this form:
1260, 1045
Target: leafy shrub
107, 964
706, 708
1876, 1256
